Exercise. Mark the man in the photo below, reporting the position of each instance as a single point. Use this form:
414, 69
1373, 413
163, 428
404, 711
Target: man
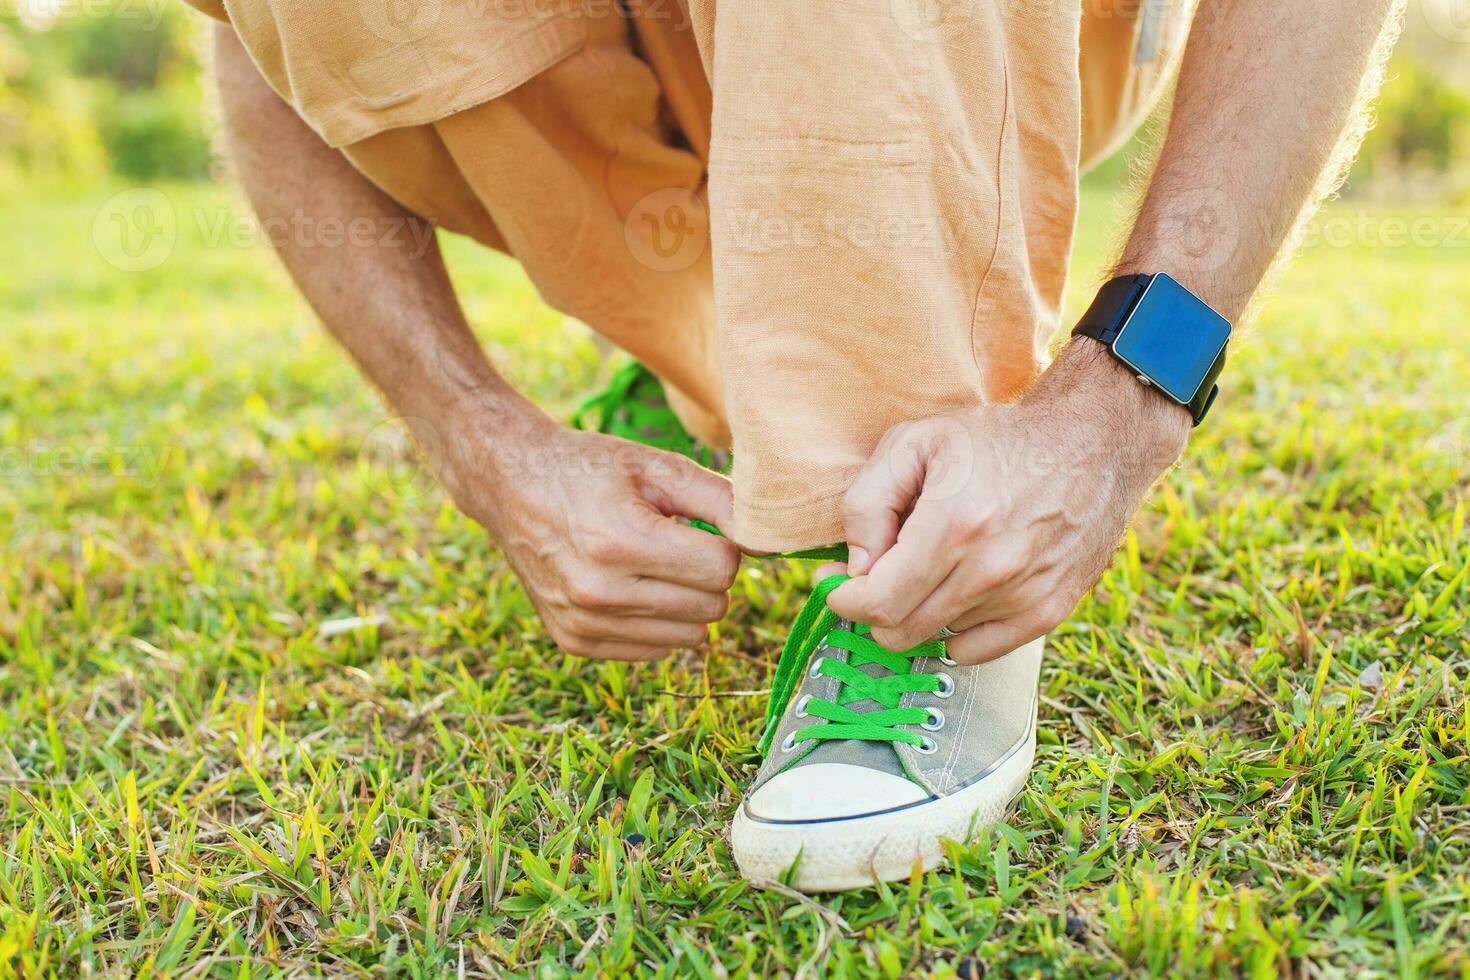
837, 236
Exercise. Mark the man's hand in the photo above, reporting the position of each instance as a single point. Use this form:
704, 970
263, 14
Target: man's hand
584, 519
587, 523
995, 521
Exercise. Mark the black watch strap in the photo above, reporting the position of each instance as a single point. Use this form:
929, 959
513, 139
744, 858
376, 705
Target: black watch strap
1111, 308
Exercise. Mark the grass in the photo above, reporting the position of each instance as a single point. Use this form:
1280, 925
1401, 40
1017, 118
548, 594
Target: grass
272, 706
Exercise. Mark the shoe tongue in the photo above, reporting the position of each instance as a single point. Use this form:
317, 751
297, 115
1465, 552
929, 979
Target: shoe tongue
856, 752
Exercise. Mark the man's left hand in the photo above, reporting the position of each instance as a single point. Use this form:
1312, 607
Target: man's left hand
996, 520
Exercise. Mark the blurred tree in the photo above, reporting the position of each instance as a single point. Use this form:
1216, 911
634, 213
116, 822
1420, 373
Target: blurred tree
153, 133
1423, 121
112, 84
116, 84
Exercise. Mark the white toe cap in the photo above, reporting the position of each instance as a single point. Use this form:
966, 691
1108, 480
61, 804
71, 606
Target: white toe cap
829, 791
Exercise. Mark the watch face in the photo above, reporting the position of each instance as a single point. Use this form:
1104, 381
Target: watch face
1172, 337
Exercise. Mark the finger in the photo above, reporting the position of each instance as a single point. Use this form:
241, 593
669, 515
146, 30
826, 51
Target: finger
637, 538
657, 599
1011, 591
609, 650
989, 641
993, 609
974, 593
828, 569
643, 631
684, 555
946, 603
680, 487
903, 578
879, 496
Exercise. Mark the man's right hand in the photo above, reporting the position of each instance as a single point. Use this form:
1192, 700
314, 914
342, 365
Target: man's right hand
586, 521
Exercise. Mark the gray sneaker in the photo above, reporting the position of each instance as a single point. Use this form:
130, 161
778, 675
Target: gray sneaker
874, 757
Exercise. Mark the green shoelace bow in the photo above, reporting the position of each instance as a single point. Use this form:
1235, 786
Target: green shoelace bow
815, 625
633, 406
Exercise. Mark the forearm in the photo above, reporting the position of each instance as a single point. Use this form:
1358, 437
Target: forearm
1265, 117
999, 553
385, 295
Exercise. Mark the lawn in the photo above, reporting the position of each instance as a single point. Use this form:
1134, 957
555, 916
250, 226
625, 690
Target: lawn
272, 706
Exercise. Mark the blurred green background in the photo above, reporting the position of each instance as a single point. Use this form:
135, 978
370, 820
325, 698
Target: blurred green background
96, 87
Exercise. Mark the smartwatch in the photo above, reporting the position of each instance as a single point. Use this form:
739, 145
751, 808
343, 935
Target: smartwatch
1169, 338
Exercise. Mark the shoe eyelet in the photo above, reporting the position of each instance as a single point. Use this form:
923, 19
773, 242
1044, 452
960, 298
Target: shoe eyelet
789, 742
935, 722
816, 666
801, 705
948, 662
946, 686
927, 747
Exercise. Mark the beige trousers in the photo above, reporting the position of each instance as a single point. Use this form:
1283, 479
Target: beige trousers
813, 219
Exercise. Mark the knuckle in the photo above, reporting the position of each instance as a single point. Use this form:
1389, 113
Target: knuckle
730, 567
596, 649
968, 525
1007, 567
580, 622
715, 607
883, 616
903, 431
569, 641
988, 575
588, 593
855, 502
894, 639
1053, 611
566, 565
608, 549
1009, 560
578, 592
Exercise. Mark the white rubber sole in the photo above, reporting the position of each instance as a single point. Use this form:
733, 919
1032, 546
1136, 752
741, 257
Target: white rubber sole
856, 852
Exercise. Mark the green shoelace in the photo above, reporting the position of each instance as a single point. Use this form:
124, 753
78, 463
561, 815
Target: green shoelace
816, 625
633, 406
